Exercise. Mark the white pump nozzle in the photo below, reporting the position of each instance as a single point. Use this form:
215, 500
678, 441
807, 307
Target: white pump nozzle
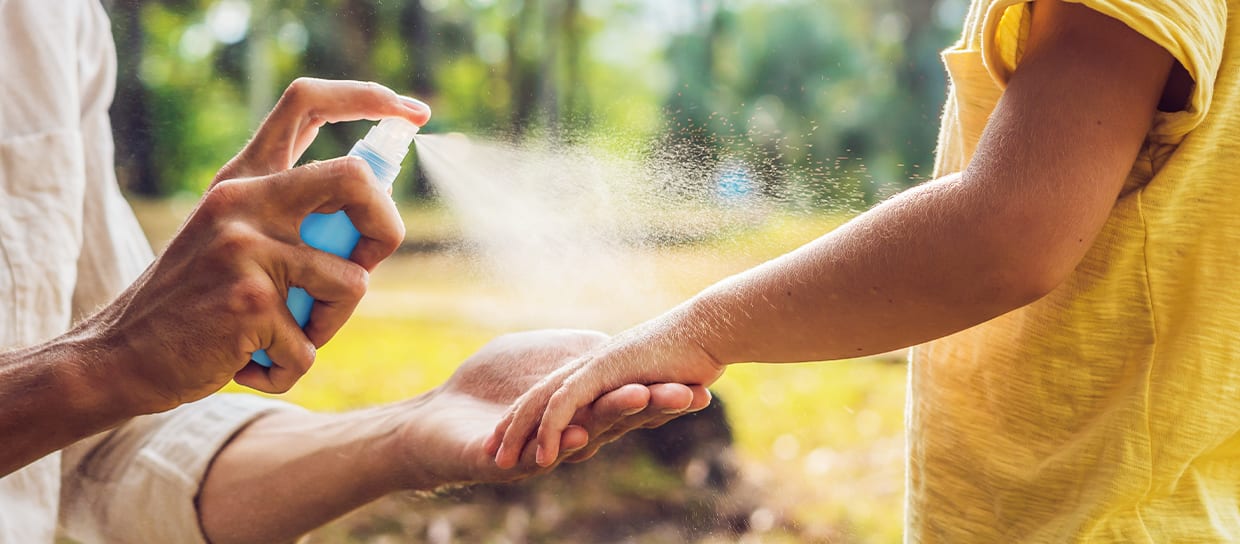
391, 138
385, 146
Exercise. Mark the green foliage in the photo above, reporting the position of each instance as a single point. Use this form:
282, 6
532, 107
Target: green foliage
820, 100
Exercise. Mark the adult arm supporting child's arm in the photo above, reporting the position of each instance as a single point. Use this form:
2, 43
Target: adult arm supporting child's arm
932, 261
258, 470
292, 471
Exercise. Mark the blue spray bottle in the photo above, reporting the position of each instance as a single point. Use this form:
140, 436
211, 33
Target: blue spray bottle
383, 148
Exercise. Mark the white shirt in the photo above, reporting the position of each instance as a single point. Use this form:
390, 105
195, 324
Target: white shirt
69, 243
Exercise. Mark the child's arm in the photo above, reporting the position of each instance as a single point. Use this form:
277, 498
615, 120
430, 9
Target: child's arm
934, 260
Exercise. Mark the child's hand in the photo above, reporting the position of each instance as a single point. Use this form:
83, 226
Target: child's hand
649, 354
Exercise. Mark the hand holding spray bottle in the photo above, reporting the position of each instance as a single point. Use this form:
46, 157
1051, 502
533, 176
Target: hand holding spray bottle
383, 148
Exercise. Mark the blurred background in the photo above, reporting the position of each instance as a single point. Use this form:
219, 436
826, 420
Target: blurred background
818, 102
801, 82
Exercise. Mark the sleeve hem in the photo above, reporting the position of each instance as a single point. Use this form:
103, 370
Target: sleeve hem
184, 452
140, 482
1168, 33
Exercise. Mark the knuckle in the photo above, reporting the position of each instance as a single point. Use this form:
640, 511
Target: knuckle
522, 423
312, 354
234, 238
311, 170
296, 90
299, 95
221, 198
558, 401
231, 169
398, 232
377, 90
389, 240
249, 297
304, 360
374, 87
354, 174
280, 386
356, 280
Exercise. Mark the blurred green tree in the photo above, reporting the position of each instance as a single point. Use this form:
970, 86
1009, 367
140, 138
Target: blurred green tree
817, 99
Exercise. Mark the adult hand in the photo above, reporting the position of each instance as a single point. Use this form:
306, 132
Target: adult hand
306, 105
445, 432
216, 294
655, 352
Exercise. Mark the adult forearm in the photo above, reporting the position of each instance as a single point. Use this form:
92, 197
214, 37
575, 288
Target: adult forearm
53, 395
289, 472
930, 262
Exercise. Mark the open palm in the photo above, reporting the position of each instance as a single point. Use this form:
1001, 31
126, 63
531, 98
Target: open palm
451, 448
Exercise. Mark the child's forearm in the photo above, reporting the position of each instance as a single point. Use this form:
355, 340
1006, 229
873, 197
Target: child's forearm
929, 262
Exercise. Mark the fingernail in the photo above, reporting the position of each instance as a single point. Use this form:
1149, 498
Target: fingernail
415, 103
630, 412
670, 411
538, 457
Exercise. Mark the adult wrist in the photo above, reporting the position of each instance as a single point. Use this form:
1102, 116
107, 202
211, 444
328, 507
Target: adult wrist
50, 400
112, 368
79, 371
407, 447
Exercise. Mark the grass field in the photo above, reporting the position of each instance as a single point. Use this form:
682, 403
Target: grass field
822, 442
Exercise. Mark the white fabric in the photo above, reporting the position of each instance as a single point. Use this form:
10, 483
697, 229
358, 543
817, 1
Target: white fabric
69, 243
138, 483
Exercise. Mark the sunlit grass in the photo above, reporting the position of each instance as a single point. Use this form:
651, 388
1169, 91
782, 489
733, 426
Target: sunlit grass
822, 441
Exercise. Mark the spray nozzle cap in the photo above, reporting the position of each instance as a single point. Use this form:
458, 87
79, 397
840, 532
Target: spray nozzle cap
391, 138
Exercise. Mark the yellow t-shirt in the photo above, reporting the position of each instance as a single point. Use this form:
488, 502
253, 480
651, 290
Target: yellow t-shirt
1108, 411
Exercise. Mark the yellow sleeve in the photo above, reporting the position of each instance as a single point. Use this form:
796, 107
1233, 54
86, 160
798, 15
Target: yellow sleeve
1193, 32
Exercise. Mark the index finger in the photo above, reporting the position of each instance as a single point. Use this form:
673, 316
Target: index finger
308, 104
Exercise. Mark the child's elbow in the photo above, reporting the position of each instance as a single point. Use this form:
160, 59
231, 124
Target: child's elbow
1029, 278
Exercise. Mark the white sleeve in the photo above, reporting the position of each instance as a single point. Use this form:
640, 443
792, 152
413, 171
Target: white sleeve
139, 483
114, 249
